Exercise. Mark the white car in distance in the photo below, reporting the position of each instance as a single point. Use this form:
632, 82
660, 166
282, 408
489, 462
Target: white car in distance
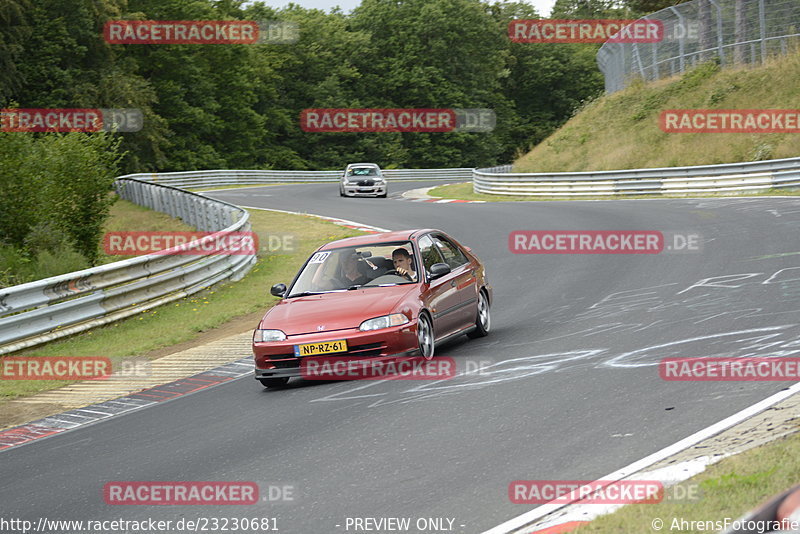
363, 180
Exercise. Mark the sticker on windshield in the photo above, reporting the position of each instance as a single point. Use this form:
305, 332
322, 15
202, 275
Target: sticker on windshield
319, 257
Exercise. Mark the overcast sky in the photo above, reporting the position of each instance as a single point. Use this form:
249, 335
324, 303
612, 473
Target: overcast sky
543, 7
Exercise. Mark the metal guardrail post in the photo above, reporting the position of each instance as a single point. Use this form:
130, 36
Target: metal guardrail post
720, 50
682, 39
762, 30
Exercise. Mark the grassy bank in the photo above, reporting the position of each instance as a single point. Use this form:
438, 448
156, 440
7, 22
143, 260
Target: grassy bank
621, 131
729, 489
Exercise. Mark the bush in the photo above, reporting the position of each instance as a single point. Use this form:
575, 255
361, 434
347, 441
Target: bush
56, 196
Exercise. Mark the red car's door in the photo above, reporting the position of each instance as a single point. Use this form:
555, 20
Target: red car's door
463, 279
441, 296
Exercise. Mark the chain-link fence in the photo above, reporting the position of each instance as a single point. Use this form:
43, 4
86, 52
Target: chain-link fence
730, 32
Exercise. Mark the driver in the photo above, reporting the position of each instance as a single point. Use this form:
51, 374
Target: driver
403, 264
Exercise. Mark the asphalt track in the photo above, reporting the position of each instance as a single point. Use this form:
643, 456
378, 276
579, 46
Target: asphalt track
570, 389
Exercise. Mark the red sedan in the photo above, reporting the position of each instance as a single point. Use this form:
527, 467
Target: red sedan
390, 295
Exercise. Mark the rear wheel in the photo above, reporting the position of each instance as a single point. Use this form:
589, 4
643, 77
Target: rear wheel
483, 322
277, 382
425, 337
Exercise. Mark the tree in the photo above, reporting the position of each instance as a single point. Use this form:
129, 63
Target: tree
14, 30
434, 54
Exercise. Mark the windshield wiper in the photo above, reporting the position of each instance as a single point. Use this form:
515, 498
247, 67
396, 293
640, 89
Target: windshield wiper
307, 293
356, 286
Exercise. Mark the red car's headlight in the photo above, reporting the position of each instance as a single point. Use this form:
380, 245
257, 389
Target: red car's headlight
260, 336
385, 321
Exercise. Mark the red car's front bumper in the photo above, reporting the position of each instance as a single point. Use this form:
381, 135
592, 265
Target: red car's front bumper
274, 359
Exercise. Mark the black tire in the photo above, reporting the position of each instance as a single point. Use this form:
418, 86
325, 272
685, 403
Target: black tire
341, 192
383, 195
483, 321
277, 382
425, 336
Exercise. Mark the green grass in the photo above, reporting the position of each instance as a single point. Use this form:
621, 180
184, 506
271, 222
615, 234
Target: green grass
126, 216
184, 320
621, 130
729, 488
464, 192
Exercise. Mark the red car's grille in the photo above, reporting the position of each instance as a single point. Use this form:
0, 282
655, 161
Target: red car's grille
367, 350
287, 364
370, 349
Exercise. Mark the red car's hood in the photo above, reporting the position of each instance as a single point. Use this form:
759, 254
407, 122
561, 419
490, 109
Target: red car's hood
334, 311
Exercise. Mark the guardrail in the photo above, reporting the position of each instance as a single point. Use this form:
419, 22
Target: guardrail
55, 307
726, 178
254, 177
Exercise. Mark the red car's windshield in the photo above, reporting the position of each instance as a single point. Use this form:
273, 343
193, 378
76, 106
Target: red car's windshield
353, 267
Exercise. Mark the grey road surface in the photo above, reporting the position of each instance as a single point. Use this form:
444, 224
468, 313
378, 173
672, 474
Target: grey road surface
569, 389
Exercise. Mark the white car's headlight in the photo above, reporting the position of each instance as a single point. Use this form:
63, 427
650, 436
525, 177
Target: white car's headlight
385, 321
260, 336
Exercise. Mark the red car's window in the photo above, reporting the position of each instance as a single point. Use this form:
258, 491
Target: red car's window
453, 256
430, 254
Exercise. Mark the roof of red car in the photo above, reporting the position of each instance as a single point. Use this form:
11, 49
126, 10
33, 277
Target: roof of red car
372, 239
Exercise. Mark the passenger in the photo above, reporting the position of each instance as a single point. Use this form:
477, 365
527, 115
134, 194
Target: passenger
403, 264
351, 276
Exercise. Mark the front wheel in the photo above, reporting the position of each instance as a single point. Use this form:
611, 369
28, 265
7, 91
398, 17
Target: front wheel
483, 322
425, 337
277, 382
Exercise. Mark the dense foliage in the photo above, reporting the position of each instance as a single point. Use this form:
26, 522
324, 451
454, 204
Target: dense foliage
55, 193
238, 106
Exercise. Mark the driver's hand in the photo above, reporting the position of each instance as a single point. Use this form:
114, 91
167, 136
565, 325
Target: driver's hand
404, 272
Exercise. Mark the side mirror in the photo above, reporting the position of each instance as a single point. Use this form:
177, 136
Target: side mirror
438, 270
278, 290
